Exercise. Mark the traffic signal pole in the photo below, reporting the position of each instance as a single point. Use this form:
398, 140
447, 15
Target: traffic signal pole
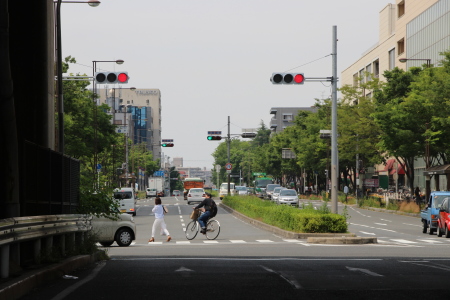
334, 149
228, 154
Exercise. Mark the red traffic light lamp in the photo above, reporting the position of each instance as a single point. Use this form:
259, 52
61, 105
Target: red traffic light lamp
287, 78
111, 77
214, 138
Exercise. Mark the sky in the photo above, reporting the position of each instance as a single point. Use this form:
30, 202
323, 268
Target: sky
213, 59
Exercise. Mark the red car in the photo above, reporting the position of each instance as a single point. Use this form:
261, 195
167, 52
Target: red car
443, 226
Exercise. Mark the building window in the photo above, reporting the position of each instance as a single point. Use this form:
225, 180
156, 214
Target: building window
401, 8
368, 73
287, 117
147, 101
401, 46
361, 75
376, 68
355, 80
392, 59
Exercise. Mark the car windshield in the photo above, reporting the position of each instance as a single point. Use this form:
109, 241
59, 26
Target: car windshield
277, 189
196, 191
438, 201
271, 187
241, 188
123, 195
288, 193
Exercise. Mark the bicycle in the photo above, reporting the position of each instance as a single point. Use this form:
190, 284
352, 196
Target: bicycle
212, 229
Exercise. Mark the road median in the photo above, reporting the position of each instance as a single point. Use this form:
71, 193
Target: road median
314, 238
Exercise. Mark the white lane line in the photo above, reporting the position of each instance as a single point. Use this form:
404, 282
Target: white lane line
416, 225
371, 227
403, 241
291, 240
155, 243
431, 241
381, 224
264, 241
365, 271
369, 233
292, 282
210, 242
385, 220
182, 224
238, 241
183, 242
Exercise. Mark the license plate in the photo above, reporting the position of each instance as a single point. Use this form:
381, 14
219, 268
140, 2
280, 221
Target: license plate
123, 210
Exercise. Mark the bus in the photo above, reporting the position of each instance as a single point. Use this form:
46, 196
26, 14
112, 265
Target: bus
260, 185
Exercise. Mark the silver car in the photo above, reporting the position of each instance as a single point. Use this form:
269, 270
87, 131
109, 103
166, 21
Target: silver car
276, 193
122, 230
196, 195
287, 196
241, 190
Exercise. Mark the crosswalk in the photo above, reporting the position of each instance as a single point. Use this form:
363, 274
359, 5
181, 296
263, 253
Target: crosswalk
394, 242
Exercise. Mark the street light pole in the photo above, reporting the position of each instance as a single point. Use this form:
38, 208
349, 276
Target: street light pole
334, 149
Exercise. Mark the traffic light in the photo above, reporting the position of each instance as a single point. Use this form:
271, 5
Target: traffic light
167, 145
111, 77
248, 135
214, 138
287, 78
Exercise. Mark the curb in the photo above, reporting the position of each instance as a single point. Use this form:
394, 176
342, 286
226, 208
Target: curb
316, 238
25, 283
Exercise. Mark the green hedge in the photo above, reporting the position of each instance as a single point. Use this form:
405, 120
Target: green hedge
303, 220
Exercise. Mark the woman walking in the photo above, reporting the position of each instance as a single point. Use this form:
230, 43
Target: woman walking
159, 220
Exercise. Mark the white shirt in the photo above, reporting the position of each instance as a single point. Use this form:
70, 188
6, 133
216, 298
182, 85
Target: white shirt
345, 189
159, 212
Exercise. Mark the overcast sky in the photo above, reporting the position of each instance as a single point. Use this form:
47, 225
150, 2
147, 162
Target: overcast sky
213, 59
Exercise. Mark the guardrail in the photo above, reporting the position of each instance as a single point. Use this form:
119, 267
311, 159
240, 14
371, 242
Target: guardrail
67, 229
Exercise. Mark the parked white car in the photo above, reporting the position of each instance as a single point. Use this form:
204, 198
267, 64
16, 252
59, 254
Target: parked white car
121, 231
288, 196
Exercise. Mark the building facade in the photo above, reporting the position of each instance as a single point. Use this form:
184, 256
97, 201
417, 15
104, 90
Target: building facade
415, 31
284, 116
137, 113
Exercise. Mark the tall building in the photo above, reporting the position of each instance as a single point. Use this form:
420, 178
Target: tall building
284, 116
413, 29
138, 113
177, 162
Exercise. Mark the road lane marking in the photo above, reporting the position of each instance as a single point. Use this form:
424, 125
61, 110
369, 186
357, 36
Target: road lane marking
385, 220
369, 233
238, 241
210, 242
365, 271
371, 227
431, 241
403, 241
264, 241
292, 282
381, 224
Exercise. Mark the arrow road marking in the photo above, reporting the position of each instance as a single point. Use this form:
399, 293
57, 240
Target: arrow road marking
292, 282
365, 271
183, 269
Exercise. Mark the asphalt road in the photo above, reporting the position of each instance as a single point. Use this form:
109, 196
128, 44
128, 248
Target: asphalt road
245, 261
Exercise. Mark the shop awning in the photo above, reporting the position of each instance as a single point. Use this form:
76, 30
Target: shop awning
437, 170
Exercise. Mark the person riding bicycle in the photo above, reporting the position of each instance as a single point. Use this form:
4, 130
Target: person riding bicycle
209, 206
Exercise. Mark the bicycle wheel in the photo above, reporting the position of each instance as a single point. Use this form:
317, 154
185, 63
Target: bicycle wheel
212, 229
192, 230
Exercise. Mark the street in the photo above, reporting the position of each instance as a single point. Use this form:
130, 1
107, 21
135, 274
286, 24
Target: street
245, 261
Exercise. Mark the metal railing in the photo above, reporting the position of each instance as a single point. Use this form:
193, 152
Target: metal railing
14, 232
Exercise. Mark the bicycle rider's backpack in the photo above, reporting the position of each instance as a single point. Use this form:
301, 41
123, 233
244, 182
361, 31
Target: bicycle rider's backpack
213, 209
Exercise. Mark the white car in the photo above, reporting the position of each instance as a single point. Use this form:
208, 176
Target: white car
241, 190
196, 195
121, 231
276, 193
288, 196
